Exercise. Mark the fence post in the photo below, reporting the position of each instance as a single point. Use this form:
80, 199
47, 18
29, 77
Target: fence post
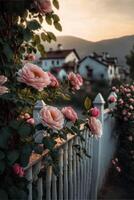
38, 106
99, 103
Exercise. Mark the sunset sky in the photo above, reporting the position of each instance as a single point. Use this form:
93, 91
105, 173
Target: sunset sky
96, 19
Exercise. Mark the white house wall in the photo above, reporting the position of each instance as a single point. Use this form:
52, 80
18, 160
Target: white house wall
47, 63
98, 69
71, 57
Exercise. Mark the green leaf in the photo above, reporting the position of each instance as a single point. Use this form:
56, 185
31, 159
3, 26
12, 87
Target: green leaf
58, 26
43, 36
36, 39
3, 194
25, 155
2, 155
12, 156
33, 25
27, 34
56, 4
87, 103
56, 18
51, 35
2, 167
8, 52
4, 137
48, 19
41, 48
25, 130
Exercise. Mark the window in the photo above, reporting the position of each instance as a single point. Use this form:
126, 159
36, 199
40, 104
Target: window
57, 62
52, 62
45, 63
90, 72
111, 71
102, 76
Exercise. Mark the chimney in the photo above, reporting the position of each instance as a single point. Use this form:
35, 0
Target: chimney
59, 47
50, 49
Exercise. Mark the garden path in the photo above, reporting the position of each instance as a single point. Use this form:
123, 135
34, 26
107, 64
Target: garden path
116, 187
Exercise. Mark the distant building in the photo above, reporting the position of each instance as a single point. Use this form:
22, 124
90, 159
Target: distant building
99, 67
60, 61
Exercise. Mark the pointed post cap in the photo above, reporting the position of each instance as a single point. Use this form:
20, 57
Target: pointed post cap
39, 104
99, 99
113, 94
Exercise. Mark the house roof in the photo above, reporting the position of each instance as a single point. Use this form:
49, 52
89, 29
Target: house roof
60, 54
104, 61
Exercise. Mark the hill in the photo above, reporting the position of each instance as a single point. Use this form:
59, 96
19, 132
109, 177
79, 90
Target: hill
118, 47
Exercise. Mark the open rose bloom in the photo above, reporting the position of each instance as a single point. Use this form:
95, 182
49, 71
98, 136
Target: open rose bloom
75, 80
44, 6
95, 126
70, 114
3, 89
34, 76
52, 117
54, 82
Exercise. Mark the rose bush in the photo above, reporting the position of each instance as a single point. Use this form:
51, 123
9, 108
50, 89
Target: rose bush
124, 114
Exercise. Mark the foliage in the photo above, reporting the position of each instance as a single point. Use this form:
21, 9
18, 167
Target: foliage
21, 85
124, 113
130, 62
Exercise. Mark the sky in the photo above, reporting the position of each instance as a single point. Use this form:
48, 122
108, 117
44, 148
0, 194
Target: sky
96, 20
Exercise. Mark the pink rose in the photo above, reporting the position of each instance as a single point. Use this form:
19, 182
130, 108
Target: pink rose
52, 117
54, 81
44, 6
113, 88
75, 80
95, 112
31, 121
27, 116
124, 112
120, 101
69, 114
3, 90
34, 76
95, 126
30, 57
3, 79
18, 170
112, 99
118, 169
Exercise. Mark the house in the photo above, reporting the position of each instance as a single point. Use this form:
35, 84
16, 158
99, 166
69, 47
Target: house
60, 61
99, 67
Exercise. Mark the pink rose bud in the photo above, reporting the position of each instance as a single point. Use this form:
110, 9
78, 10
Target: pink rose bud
30, 57
3, 90
130, 138
31, 121
75, 80
70, 114
3, 79
34, 76
52, 117
54, 82
118, 169
113, 162
95, 126
112, 99
27, 116
18, 170
113, 88
95, 112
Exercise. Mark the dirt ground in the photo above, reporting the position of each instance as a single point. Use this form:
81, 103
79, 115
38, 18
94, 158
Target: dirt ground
116, 187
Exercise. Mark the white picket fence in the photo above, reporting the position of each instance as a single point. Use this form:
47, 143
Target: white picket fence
79, 178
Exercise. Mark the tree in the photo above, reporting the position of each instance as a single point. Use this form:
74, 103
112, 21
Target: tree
130, 62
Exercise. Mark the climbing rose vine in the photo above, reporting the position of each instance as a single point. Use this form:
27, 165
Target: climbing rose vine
22, 83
